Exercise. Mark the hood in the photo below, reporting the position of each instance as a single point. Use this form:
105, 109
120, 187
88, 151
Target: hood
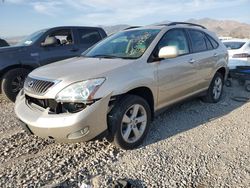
79, 68
10, 49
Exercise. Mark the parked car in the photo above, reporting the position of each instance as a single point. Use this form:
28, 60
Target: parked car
239, 52
41, 48
3, 43
120, 84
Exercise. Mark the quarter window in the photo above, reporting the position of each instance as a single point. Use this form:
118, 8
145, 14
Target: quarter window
214, 43
198, 41
89, 36
177, 38
209, 45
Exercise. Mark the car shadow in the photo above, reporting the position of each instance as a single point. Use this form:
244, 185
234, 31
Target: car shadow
193, 113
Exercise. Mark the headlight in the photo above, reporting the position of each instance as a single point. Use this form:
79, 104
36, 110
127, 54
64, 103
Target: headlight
80, 91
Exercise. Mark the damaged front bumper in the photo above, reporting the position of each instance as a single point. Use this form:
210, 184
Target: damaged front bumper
64, 127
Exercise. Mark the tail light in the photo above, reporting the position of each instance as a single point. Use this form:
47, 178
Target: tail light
243, 55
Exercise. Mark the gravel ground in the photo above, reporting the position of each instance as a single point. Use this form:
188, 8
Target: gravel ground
190, 145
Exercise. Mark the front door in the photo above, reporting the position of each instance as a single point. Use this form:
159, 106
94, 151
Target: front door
176, 76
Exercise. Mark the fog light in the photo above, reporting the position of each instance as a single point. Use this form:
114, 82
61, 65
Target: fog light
79, 134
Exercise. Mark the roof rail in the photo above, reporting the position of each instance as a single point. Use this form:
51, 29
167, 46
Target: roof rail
131, 27
184, 23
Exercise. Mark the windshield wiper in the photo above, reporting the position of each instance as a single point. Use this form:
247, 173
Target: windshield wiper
109, 56
104, 56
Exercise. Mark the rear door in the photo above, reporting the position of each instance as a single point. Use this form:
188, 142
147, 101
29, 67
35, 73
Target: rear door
87, 37
204, 55
177, 77
66, 47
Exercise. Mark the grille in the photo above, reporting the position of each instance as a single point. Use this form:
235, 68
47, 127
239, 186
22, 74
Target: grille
36, 86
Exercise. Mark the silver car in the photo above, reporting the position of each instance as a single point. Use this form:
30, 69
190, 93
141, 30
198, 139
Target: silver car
119, 85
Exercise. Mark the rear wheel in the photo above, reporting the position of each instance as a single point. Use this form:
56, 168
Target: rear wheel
247, 87
129, 121
12, 82
241, 82
215, 89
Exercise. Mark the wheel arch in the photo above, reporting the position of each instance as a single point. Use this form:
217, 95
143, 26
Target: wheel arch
145, 93
222, 71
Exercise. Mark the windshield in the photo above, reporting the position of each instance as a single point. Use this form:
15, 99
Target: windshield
127, 44
233, 45
31, 38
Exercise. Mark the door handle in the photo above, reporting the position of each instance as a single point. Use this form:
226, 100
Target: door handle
192, 61
74, 50
215, 54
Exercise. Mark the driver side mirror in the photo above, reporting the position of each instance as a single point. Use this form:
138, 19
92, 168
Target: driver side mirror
168, 52
49, 41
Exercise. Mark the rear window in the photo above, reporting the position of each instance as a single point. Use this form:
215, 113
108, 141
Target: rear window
89, 36
233, 45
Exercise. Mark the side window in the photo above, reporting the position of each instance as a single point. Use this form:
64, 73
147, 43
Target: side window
89, 36
198, 41
63, 37
175, 37
214, 43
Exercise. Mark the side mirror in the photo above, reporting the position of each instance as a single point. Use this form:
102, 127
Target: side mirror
49, 41
168, 52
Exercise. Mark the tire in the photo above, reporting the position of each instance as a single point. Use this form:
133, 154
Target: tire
123, 122
247, 87
228, 83
241, 82
215, 89
12, 82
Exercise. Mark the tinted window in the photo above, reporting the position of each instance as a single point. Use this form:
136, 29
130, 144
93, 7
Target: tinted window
233, 45
209, 45
213, 42
177, 38
198, 41
89, 36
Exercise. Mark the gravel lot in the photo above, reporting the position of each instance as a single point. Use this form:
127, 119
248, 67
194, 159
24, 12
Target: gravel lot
190, 145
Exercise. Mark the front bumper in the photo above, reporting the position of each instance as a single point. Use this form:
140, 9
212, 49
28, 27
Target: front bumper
67, 127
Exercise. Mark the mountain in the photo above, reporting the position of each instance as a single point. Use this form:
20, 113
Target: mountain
14, 40
226, 28
114, 28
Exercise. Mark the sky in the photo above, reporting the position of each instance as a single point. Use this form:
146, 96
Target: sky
22, 17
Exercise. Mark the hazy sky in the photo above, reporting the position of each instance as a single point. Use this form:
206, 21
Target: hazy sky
22, 17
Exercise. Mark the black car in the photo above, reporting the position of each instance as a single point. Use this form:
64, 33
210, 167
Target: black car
3, 43
41, 48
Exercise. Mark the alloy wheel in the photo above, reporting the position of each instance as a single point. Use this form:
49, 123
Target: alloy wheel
133, 123
217, 89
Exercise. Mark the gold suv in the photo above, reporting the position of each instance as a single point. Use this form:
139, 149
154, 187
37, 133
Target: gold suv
118, 85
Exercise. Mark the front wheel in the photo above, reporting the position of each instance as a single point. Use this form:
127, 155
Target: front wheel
129, 121
12, 82
215, 89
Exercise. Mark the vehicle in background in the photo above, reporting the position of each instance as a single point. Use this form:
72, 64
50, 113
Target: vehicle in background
239, 52
3, 43
225, 38
122, 82
41, 48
